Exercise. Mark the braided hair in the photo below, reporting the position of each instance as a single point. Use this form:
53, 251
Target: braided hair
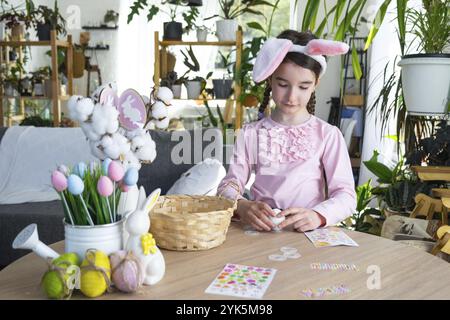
300, 38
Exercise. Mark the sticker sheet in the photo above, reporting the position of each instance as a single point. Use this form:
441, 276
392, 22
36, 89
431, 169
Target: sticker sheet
242, 281
327, 238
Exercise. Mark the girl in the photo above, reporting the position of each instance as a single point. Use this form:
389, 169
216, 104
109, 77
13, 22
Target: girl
294, 155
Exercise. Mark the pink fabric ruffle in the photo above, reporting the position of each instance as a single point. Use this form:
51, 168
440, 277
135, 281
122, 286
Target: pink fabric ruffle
284, 145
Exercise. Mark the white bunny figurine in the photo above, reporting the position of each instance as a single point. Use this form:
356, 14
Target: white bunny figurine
141, 242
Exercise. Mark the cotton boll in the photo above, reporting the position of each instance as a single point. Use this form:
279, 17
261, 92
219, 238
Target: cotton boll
150, 126
80, 109
148, 151
112, 151
131, 161
134, 133
159, 110
163, 124
137, 143
89, 131
96, 149
164, 94
105, 119
122, 142
113, 86
72, 103
106, 141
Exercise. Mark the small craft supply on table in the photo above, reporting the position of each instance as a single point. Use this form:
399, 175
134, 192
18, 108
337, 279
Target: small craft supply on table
276, 220
334, 266
287, 253
326, 291
328, 238
242, 281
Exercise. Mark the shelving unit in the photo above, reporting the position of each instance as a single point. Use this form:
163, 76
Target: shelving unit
54, 43
164, 44
355, 99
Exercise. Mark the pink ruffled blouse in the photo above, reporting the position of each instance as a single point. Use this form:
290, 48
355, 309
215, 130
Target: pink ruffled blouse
291, 164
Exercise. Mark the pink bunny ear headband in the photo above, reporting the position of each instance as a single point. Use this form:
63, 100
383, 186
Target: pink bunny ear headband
274, 50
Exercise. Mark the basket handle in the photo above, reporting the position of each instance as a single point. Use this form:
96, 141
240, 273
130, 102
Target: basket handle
233, 185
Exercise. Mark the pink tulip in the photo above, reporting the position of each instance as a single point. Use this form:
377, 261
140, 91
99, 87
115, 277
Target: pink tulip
59, 181
115, 171
104, 186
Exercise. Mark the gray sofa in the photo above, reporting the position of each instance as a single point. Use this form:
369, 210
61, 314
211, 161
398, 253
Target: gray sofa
162, 173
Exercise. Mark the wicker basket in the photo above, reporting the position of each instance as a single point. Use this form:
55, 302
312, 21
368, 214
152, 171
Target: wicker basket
191, 223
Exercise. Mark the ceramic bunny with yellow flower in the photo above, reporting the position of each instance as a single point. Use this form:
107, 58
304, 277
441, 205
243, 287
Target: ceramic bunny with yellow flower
141, 242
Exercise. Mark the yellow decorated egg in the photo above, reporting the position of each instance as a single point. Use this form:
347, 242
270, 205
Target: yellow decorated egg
95, 273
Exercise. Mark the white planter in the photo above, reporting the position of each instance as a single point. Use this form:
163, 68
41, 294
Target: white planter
176, 90
226, 30
2, 31
193, 89
107, 238
426, 83
202, 35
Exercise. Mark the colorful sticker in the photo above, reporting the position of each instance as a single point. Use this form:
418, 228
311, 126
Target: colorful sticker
320, 292
131, 107
327, 237
242, 281
334, 266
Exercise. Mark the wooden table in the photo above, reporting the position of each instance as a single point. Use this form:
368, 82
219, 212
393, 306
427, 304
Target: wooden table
406, 272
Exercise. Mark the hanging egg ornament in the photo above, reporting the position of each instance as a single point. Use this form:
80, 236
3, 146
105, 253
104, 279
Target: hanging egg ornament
108, 97
132, 112
59, 181
95, 273
127, 273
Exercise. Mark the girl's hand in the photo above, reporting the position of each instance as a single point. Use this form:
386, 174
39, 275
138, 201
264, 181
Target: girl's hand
255, 213
303, 219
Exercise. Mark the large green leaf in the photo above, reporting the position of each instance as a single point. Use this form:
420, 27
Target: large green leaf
256, 26
309, 17
355, 64
344, 27
379, 17
381, 171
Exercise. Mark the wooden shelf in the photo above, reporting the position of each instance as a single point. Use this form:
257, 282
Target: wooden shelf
161, 68
66, 97
98, 48
54, 43
356, 162
59, 43
166, 43
354, 100
100, 28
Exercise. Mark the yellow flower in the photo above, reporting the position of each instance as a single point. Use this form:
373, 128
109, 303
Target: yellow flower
148, 244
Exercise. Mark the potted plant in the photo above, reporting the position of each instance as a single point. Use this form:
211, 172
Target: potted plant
38, 78
434, 150
223, 87
202, 33
365, 219
174, 83
230, 10
16, 22
426, 76
49, 19
172, 30
111, 18
397, 186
